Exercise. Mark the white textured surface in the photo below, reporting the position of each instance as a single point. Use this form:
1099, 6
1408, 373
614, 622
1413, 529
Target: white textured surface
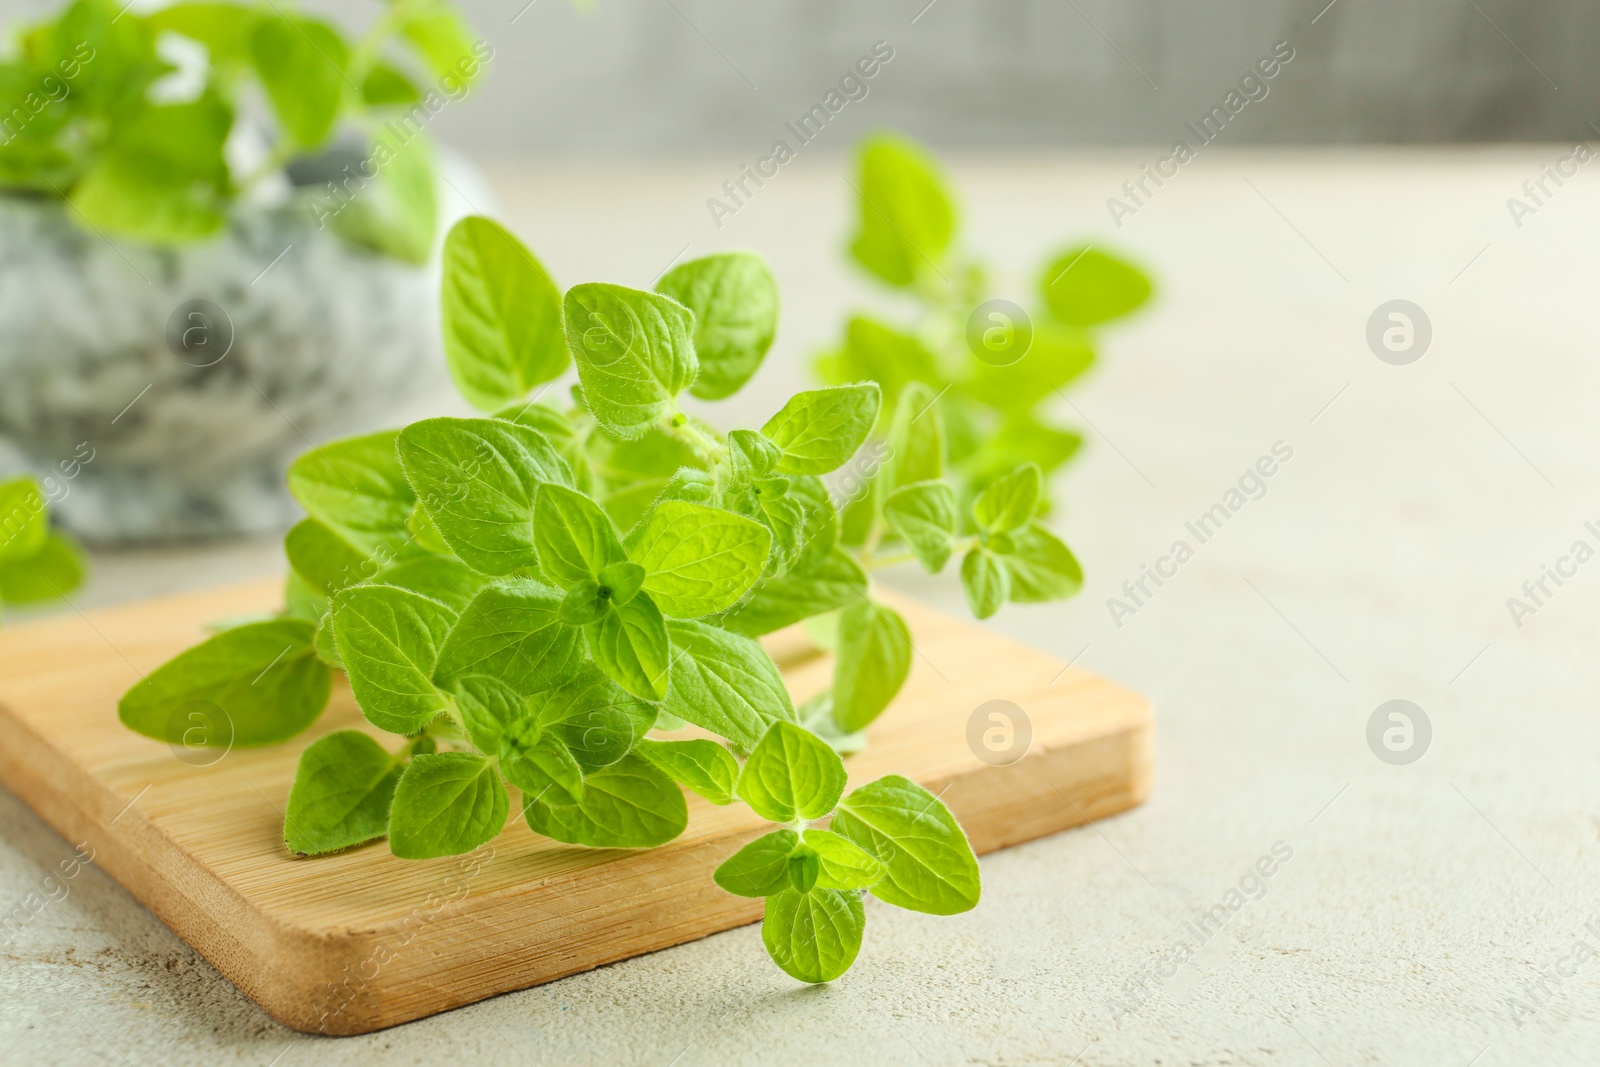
1419, 900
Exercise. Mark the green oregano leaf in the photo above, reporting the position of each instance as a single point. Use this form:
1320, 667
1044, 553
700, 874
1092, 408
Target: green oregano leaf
734, 298
926, 516
820, 429
301, 62
501, 315
842, 863
478, 479
326, 561
698, 764
446, 803
52, 572
724, 683
804, 867
389, 641
255, 684
1041, 568
574, 538
814, 936
1008, 503
634, 351
833, 582
792, 774
929, 865
24, 521
341, 794
987, 581
698, 560
1084, 287
916, 440
629, 643
752, 455
907, 216
594, 719
629, 804
448, 581
873, 660
511, 631
356, 487
760, 868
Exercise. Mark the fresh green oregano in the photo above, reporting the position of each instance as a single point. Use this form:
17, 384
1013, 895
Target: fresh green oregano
530, 605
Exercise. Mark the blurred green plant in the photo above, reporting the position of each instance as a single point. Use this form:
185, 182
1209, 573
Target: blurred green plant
37, 563
965, 385
133, 118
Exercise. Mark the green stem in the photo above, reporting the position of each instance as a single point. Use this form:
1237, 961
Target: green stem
710, 449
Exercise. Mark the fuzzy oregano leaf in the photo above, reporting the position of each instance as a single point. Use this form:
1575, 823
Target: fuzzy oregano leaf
511, 631
724, 683
698, 560
634, 351
446, 803
925, 514
1084, 287
254, 685
907, 216
342, 790
929, 865
843, 864
629, 643
326, 561
502, 315
820, 429
357, 488
873, 660
734, 298
478, 478
814, 936
792, 774
834, 581
389, 641
1009, 502
698, 764
629, 804
760, 868
574, 538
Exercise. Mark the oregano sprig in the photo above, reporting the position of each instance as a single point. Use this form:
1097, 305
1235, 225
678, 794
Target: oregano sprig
532, 603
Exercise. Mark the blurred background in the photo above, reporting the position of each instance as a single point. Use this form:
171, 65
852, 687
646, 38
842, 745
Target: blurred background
639, 78
634, 78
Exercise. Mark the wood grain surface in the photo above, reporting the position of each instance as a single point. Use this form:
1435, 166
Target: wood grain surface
355, 942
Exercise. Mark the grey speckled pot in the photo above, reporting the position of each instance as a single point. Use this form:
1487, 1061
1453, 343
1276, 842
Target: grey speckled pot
326, 339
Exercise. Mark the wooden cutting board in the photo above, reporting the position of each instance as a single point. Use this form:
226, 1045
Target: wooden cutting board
355, 942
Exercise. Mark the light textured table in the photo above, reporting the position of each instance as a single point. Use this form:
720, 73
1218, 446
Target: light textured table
1420, 904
